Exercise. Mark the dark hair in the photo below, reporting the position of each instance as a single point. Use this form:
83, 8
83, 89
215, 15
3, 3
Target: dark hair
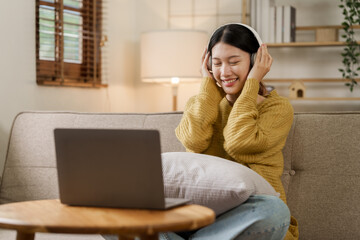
238, 36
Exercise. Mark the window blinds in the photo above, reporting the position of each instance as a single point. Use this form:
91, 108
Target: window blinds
68, 39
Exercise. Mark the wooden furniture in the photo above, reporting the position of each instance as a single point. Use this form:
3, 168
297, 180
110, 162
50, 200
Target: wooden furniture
326, 36
50, 216
320, 42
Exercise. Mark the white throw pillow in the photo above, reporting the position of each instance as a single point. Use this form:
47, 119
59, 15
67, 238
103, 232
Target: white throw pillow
211, 181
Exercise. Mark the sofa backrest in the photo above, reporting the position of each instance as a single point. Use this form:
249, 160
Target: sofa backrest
322, 163
320, 176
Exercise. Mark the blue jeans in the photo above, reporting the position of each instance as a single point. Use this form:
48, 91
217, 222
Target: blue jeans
260, 217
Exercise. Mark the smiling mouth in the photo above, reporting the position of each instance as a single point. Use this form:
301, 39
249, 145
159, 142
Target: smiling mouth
229, 81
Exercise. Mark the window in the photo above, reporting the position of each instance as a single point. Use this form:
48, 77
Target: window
68, 40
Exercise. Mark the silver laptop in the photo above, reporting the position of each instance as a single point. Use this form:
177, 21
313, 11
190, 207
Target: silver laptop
111, 168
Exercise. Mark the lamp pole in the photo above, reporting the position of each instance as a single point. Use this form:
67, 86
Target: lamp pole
174, 88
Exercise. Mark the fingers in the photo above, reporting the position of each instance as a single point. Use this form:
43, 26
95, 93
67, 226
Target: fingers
207, 64
202, 60
206, 61
203, 55
259, 54
204, 64
205, 58
269, 59
266, 58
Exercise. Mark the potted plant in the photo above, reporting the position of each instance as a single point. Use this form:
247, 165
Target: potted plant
351, 53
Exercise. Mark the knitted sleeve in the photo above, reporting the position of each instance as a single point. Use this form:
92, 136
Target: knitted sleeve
249, 131
196, 126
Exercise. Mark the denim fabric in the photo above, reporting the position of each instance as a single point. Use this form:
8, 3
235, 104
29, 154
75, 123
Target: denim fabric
260, 217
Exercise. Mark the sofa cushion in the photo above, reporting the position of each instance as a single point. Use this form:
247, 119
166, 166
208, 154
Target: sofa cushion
211, 181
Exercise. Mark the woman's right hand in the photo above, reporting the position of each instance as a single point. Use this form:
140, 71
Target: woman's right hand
204, 64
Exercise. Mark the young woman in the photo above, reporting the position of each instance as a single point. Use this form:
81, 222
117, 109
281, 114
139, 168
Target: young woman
235, 118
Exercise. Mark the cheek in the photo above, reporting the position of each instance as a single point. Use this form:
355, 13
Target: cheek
242, 70
217, 73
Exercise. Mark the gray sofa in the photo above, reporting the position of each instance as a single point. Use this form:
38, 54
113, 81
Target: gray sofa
321, 175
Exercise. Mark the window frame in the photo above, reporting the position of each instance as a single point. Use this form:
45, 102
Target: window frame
58, 72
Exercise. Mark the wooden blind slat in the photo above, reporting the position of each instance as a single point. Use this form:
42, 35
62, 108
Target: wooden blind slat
68, 42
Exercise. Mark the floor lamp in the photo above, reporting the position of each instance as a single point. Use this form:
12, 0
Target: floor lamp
172, 57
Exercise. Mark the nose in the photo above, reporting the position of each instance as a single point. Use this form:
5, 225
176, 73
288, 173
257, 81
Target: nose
225, 70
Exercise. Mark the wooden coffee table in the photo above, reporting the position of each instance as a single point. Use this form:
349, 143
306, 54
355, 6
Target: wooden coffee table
50, 216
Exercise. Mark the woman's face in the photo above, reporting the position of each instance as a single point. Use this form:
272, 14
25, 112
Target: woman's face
230, 66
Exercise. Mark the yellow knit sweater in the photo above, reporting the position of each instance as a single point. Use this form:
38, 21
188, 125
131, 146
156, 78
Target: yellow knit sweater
249, 133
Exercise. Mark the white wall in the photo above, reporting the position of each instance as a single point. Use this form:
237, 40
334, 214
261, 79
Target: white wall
19, 92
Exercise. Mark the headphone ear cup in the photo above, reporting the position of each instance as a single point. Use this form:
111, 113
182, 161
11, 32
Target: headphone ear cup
209, 64
252, 59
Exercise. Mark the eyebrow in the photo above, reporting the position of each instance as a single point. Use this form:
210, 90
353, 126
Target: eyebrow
233, 56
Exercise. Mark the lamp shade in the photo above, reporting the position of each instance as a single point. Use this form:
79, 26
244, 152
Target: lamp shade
172, 55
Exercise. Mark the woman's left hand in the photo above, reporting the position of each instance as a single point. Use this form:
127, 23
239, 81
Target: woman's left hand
262, 64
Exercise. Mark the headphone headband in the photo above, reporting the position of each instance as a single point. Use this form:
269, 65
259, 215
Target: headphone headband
257, 36
253, 31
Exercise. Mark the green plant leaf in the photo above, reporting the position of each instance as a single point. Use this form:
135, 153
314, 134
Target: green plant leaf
350, 55
345, 24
